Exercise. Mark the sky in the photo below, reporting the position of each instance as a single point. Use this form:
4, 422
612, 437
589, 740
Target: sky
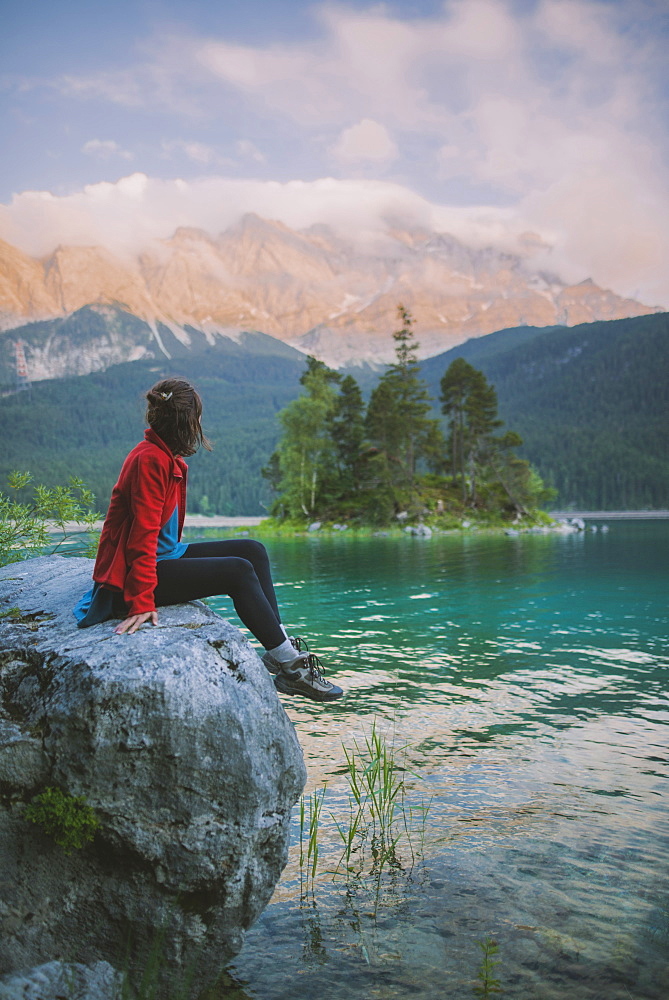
537, 126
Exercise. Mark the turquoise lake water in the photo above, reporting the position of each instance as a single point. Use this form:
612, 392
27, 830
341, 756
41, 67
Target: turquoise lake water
527, 679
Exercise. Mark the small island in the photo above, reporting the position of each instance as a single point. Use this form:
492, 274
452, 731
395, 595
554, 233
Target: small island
343, 464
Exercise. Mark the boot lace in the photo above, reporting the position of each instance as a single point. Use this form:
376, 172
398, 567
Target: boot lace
315, 668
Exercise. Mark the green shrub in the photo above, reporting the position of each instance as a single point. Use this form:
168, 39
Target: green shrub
26, 528
67, 818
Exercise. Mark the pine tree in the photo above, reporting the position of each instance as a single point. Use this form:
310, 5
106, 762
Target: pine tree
478, 456
481, 421
397, 421
470, 402
522, 486
348, 431
456, 385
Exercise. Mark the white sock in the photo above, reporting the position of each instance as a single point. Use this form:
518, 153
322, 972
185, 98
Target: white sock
283, 629
285, 653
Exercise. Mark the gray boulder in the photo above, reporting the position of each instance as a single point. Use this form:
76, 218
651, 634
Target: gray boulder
64, 981
177, 739
419, 530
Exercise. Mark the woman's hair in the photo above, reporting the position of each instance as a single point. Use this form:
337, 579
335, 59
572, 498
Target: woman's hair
174, 412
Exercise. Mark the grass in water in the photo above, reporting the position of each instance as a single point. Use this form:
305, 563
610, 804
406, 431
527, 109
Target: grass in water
379, 816
310, 815
379, 830
488, 983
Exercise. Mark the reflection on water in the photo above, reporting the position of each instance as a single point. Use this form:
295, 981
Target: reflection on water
528, 676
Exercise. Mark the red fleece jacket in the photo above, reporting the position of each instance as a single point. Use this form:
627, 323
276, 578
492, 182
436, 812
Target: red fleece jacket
151, 483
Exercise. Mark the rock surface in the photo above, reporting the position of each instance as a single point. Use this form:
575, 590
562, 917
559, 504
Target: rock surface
60, 980
177, 739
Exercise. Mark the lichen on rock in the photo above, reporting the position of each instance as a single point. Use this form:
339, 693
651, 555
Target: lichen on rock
176, 738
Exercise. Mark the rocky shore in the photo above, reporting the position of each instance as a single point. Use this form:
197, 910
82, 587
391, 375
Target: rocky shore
176, 739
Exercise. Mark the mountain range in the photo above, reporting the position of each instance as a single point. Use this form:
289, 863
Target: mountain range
81, 309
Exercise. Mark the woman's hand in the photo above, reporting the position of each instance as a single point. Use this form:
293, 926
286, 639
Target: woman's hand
132, 623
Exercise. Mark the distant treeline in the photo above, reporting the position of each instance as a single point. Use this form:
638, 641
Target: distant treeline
86, 425
590, 402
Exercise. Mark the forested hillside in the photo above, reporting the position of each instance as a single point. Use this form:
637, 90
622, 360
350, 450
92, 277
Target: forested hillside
86, 425
591, 403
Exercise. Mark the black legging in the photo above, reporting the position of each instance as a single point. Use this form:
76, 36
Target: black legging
239, 568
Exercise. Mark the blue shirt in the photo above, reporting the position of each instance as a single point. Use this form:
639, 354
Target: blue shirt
169, 546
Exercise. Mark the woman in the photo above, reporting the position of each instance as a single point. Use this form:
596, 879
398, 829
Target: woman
142, 564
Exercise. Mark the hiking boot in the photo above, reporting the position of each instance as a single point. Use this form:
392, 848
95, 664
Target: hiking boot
304, 676
273, 665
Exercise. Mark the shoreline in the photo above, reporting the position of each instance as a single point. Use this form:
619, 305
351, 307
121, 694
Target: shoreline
216, 521
191, 521
252, 521
611, 514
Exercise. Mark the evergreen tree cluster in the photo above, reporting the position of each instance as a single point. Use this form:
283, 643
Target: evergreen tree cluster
338, 459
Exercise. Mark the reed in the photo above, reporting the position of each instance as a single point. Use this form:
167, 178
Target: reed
350, 834
379, 815
488, 984
414, 827
310, 815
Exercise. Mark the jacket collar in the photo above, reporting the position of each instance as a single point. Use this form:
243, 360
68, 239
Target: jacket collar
179, 466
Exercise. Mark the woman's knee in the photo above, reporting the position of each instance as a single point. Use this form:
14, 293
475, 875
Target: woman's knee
241, 580
239, 568
255, 551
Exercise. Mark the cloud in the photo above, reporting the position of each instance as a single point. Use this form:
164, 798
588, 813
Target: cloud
555, 109
362, 63
582, 28
197, 152
105, 149
517, 94
600, 223
204, 155
367, 141
119, 88
250, 151
129, 214
165, 78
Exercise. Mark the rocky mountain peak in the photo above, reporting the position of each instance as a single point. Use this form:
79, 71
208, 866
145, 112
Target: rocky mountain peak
311, 288
187, 235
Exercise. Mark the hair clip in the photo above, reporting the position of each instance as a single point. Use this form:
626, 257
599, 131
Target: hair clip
165, 395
